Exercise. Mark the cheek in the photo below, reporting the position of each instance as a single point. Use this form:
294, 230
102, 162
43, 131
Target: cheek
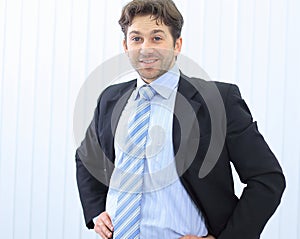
168, 53
133, 55
132, 46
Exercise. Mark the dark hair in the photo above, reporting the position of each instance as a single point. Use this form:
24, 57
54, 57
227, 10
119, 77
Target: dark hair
161, 10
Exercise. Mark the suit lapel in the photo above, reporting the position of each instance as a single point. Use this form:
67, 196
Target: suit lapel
186, 130
114, 103
182, 111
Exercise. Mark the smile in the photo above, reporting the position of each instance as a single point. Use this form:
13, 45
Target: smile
148, 61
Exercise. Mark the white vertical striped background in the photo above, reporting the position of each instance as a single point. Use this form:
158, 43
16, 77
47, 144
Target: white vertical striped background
49, 47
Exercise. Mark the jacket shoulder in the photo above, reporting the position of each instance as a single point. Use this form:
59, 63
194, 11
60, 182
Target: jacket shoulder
223, 88
112, 90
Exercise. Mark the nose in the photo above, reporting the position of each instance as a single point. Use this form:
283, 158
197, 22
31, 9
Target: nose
146, 48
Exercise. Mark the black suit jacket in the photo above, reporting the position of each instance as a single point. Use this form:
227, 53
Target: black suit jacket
227, 216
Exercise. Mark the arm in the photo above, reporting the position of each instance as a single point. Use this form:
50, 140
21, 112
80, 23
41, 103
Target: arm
92, 190
257, 167
92, 193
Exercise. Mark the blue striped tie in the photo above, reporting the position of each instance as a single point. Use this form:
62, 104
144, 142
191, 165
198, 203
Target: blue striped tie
128, 216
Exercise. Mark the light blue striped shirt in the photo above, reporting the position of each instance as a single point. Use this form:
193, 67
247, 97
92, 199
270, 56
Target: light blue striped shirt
167, 211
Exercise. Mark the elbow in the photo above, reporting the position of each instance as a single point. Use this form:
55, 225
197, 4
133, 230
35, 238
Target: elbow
281, 184
277, 186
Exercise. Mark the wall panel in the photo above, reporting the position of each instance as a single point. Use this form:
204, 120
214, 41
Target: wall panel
48, 49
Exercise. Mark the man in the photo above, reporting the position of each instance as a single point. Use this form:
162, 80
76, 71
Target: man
150, 138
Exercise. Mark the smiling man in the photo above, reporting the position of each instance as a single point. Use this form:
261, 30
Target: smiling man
153, 191
151, 48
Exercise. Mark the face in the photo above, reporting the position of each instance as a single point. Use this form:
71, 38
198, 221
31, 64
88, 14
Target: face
151, 48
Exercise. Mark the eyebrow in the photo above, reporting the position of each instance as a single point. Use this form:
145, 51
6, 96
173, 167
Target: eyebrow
152, 32
158, 31
134, 32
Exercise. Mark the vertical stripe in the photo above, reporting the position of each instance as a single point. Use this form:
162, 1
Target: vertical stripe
268, 65
219, 58
3, 74
284, 110
51, 136
237, 25
67, 122
253, 51
87, 35
35, 100
15, 217
87, 40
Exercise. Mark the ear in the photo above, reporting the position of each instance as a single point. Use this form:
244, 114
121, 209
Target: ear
178, 45
125, 45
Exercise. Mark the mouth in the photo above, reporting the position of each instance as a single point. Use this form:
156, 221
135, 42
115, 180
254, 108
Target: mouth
148, 62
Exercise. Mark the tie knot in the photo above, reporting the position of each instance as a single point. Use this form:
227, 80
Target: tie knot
147, 92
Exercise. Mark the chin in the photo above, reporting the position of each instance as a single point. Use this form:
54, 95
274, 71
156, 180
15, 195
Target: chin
153, 75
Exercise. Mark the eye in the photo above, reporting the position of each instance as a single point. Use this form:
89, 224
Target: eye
136, 39
157, 38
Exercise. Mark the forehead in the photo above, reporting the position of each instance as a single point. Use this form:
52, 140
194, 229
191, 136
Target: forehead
146, 24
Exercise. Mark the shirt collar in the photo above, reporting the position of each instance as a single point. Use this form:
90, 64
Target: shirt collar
164, 85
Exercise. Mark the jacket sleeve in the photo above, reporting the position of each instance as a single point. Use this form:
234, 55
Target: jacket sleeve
256, 166
90, 163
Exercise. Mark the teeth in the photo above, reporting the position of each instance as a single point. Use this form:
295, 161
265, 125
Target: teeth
148, 62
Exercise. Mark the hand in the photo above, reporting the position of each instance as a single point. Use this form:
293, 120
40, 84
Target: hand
104, 226
195, 237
